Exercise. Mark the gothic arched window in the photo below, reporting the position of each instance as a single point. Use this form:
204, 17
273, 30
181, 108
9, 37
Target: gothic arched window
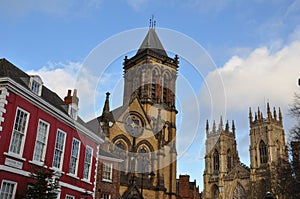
120, 151
144, 163
166, 89
214, 192
229, 160
216, 161
239, 192
263, 152
153, 85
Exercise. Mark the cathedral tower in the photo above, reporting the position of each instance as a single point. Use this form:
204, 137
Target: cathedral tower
267, 146
142, 131
224, 175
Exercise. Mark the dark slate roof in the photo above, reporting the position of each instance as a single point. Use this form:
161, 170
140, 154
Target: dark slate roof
7, 69
152, 42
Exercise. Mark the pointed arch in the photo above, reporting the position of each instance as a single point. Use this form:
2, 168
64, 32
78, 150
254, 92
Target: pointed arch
216, 161
263, 152
120, 149
153, 85
229, 160
239, 192
214, 192
166, 87
144, 160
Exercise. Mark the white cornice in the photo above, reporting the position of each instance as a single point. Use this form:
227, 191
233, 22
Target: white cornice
52, 110
110, 158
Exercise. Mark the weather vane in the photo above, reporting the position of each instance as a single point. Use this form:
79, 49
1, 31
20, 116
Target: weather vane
152, 22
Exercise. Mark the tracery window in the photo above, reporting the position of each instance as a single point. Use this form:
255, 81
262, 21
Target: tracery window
166, 89
239, 192
120, 151
153, 85
229, 160
263, 152
216, 161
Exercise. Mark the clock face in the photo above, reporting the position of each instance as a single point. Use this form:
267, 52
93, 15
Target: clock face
134, 125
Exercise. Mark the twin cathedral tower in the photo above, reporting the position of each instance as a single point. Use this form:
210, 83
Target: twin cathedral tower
142, 132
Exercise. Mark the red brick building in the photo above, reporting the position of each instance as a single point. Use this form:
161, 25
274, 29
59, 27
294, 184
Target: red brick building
187, 189
108, 176
37, 128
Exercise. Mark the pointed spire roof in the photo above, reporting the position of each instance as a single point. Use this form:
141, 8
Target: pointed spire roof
152, 42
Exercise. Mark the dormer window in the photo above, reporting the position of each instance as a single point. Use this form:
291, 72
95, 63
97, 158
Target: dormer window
36, 84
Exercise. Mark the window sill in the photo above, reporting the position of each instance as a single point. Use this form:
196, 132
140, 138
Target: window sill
86, 181
38, 163
58, 171
73, 176
13, 155
106, 180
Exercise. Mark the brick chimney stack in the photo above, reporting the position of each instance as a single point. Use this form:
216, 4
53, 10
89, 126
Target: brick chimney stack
69, 99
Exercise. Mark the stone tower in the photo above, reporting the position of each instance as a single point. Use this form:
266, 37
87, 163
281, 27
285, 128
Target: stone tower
267, 148
224, 175
142, 131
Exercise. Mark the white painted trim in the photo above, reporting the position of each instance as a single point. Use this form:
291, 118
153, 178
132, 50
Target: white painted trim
46, 141
52, 110
75, 188
14, 156
110, 158
14, 170
25, 131
78, 157
11, 182
72, 176
63, 150
91, 163
3, 102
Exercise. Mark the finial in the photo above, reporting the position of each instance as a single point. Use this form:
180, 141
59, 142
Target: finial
280, 116
207, 127
233, 127
106, 104
275, 114
258, 113
221, 124
250, 115
227, 127
214, 127
152, 22
268, 111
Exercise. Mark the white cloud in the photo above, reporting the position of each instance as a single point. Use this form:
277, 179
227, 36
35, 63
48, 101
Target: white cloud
251, 81
261, 75
59, 77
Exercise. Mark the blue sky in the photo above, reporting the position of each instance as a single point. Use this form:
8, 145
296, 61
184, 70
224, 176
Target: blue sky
254, 46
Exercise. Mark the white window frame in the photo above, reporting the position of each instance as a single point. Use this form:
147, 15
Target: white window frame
59, 149
70, 196
44, 144
77, 157
107, 168
13, 193
36, 84
23, 134
105, 196
88, 163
